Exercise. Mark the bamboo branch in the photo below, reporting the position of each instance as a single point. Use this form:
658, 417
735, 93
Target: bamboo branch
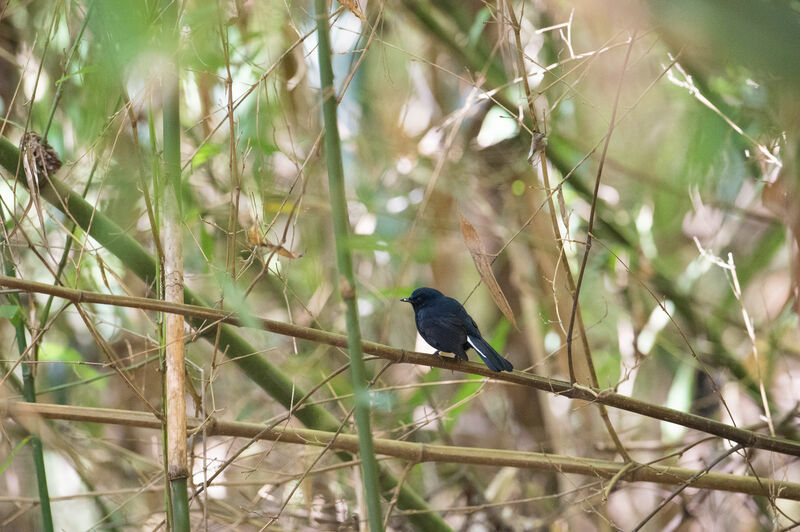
422, 452
563, 388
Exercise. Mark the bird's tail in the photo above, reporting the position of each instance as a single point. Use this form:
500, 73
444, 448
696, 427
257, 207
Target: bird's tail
490, 357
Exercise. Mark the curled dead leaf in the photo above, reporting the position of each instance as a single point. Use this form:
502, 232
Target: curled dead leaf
483, 264
42, 156
255, 239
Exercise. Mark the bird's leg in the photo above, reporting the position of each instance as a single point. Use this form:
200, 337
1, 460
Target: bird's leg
438, 354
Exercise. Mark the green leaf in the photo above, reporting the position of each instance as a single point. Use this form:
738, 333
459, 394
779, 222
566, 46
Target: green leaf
14, 452
235, 299
477, 27
464, 391
89, 69
382, 401
368, 243
50, 351
206, 152
11, 313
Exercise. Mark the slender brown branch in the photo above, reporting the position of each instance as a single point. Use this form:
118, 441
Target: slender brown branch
419, 452
605, 397
686, 484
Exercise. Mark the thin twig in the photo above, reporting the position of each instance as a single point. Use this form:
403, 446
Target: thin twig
588, 245
687, 484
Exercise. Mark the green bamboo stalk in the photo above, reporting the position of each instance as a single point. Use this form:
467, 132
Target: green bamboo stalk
174, 375
267, 376
29, 393
180, 504
347, 285
44, 315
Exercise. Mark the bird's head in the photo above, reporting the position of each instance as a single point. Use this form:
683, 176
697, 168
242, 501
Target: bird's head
422, 296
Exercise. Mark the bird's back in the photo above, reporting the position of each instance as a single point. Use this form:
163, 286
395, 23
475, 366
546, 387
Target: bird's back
457, 310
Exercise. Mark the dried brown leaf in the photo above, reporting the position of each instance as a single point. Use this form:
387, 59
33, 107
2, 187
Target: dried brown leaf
255, 239
352, 6
483, 264
562, 207
283, 252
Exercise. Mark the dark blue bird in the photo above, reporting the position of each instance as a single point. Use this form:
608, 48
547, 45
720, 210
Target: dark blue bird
446, 326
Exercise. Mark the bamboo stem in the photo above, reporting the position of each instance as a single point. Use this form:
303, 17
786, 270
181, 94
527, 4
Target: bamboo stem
422, 452
28, 385
174, 375
347, 284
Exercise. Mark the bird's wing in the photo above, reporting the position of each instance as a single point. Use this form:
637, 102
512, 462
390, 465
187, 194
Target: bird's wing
442, 324
460, 313
443, 331
472, 327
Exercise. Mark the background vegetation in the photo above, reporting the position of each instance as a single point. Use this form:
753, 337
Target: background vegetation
655, 183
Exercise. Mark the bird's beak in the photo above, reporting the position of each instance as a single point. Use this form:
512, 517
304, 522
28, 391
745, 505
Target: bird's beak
406, 300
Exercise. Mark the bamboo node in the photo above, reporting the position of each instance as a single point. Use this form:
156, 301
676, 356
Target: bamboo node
346, 289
